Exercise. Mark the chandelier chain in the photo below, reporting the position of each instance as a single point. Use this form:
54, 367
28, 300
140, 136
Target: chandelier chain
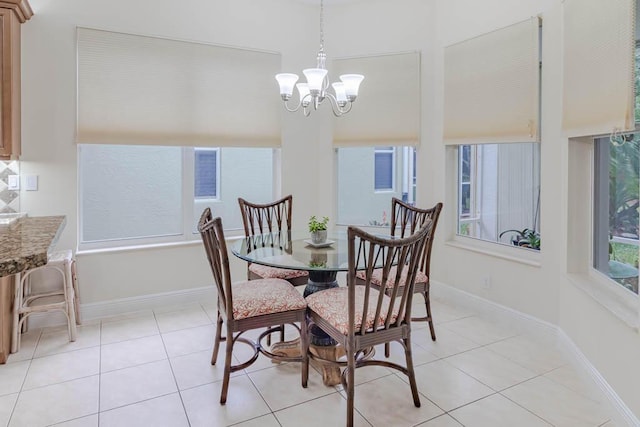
321, 25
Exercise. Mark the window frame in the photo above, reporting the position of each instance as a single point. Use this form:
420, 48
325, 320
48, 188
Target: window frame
188, 234
600, 216
475, 218
385, 150
218, 152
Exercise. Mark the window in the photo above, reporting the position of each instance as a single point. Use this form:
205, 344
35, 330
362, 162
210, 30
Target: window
499, 193
384, 168
132, 195
617, 200
367, 178
206, 167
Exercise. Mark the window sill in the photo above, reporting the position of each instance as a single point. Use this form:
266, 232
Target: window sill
230, 235
622, 304
496, 250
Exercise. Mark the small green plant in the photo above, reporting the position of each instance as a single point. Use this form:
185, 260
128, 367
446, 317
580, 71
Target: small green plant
317, 264
318, 225
526, 238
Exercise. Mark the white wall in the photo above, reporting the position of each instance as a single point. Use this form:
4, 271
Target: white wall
49, 105
360, 28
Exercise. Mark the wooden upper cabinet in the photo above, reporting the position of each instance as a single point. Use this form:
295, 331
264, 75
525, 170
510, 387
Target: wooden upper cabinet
12, 14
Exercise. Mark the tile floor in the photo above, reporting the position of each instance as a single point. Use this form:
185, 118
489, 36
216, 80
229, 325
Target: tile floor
152, 369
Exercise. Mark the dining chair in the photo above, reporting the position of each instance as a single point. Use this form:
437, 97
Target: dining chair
359, 316
405, 220
264, 218
247, 305
270, 218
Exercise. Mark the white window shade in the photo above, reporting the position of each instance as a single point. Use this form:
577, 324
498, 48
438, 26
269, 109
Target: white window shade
145, 90
387, 110
598, 52
491, 86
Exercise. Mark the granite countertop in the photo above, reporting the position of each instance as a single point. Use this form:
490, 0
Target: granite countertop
25, 244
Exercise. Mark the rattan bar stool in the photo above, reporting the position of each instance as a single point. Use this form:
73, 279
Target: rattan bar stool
31, 296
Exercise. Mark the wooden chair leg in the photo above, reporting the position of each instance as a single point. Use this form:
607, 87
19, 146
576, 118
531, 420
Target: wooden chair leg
427, 303
227, 368
216, 344
351, 368
304, 346
410, 371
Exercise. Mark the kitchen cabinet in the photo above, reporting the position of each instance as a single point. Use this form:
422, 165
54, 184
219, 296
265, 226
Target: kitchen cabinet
12, 14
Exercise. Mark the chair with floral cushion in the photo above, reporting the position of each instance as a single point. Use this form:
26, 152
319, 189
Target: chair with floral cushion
405, 220
359, 316
247, 305
270, 218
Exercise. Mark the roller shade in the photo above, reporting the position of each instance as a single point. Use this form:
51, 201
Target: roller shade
598, 86
492, 86
150, 91
387, 111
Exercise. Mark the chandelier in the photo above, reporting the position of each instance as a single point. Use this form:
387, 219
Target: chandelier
315, 90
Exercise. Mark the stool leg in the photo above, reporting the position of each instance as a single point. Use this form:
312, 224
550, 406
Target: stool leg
76, 291
25, 289
70, 298
17, 304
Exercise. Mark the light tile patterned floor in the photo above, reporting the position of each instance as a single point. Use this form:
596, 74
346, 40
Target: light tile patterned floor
153, 369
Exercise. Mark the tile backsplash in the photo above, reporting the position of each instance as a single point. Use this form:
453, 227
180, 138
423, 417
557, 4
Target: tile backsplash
9, 199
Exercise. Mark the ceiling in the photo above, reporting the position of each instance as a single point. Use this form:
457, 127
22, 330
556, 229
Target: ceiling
327, 2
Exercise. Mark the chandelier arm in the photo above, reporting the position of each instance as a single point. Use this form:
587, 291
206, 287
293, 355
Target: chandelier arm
292, 110
336, 108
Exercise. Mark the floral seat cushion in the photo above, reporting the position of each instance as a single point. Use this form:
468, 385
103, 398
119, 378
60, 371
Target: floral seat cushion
331, 304
276, 273
264, 296
376, 277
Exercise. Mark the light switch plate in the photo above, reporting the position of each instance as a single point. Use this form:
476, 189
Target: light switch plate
31, 183
13, 182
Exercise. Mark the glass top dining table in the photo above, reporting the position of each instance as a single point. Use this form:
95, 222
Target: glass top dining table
294, 250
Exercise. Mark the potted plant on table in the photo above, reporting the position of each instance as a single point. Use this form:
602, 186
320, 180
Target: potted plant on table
318, 229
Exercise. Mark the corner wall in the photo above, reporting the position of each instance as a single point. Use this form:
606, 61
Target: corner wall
543, 291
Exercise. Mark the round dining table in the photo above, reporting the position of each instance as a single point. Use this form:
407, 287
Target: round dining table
295, 250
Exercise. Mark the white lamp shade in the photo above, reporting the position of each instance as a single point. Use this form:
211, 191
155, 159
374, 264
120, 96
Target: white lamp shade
303, 90
286, 82
315, 77
341, 94
351, 83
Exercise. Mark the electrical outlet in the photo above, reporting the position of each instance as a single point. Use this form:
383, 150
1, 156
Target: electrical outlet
13, 182
31, 183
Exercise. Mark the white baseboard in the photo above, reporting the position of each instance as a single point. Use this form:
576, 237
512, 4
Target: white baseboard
625, 415
102, 310
449, 294
533, 325
492, 310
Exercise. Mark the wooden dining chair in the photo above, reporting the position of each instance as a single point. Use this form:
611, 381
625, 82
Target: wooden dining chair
247, 305
405, 220
270, 218
359, 316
